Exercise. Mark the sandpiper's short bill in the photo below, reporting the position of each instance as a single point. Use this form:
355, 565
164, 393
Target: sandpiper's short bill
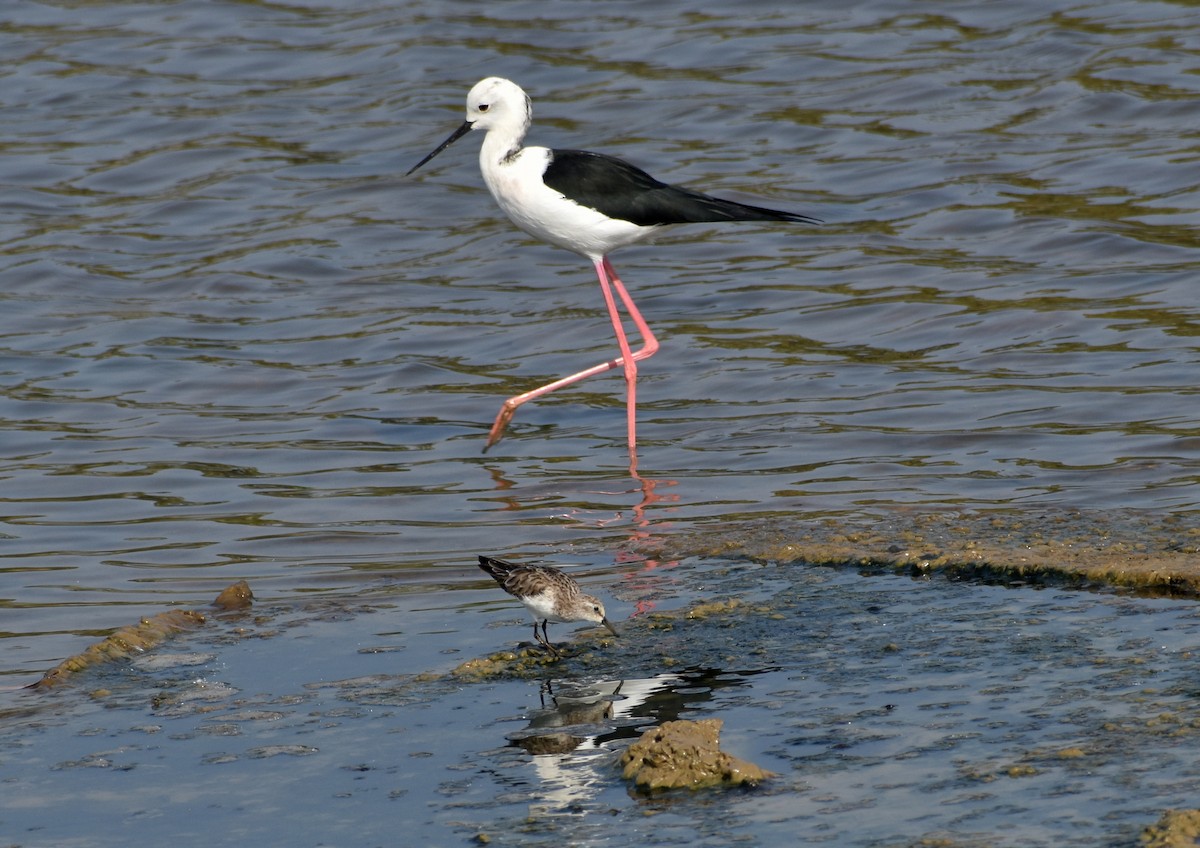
548, 594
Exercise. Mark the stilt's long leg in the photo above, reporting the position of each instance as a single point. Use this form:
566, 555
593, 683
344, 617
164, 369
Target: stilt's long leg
628, 358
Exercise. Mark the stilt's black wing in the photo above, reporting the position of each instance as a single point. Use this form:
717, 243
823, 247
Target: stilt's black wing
619, 190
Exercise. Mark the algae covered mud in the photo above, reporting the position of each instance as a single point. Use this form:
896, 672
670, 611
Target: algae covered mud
901, 704
1156, 553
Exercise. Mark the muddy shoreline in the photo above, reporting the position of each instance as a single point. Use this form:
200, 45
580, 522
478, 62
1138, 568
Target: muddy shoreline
1152, 554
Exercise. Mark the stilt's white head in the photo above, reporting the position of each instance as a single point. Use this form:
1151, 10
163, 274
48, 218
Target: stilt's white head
493, 104
496, 102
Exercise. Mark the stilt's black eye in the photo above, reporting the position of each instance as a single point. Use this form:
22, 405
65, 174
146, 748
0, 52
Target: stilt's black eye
483, 107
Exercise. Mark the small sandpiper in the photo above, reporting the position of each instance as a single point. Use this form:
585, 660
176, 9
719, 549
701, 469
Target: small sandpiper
548, 594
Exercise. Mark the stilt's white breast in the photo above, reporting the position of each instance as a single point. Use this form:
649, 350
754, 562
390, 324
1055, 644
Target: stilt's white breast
516, 184
514, 176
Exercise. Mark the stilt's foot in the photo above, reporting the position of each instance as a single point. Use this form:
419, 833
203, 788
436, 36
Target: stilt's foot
500, 424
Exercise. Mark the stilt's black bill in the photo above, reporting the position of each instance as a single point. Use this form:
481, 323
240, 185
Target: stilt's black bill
454, 136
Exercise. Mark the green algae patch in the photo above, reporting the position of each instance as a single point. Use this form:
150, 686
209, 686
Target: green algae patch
685, 755
707, 610
527, 661
1175, 829
495, 665
138, 638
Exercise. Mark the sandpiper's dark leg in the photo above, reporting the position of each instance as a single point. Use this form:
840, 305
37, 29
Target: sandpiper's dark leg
545, 639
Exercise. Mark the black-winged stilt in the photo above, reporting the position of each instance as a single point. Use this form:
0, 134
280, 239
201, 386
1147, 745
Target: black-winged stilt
588, 203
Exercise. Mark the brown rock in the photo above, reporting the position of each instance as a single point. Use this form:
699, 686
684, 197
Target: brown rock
1176, 829
685, 754
235, 597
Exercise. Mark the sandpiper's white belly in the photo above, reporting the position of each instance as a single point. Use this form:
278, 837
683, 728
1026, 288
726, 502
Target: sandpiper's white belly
541, 607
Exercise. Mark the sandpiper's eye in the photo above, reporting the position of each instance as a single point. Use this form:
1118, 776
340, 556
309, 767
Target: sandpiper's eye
483, 107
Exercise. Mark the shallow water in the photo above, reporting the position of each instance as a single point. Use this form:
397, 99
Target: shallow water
890, 709
235, 343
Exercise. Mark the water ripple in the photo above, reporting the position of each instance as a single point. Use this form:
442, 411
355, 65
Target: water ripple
234, 339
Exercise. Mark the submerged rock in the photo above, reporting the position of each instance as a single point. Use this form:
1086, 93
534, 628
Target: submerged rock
686, 754
137, 638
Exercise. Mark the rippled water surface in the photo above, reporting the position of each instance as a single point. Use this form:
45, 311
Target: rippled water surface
236, 343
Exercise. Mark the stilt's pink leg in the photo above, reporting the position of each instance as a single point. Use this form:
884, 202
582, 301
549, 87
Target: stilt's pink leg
628, 358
